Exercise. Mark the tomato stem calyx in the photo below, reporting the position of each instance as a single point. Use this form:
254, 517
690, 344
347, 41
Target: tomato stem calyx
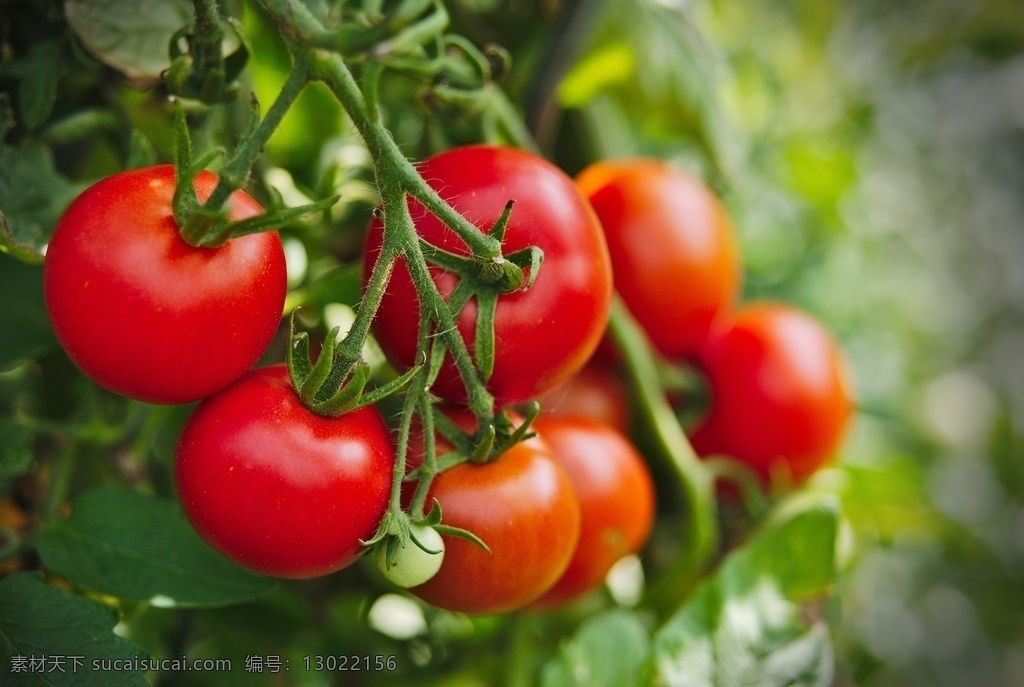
333, 385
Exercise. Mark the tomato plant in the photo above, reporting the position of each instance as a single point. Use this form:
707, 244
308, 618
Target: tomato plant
780, 393
543, 334
145, 314
523, 507
616, 495
277, 488
672, 246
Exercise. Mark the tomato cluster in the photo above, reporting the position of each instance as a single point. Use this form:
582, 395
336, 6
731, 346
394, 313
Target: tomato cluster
290, 492
780, 397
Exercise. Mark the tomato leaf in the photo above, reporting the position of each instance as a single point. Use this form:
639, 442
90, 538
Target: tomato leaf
32, 196
606, 651
39, 73
42, 622
132, 36
122, 542
25, 330
15, 449
750, 623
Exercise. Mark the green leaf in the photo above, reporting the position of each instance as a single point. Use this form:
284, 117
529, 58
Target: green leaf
25, 330
15, 449
38, 620
606, 651
749, 624
122, 542
132, 36
32, 196
40, 71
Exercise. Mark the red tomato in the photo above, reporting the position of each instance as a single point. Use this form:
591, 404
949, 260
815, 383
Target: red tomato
616, 495
594, 393
780, 394
143, 313
673, 249
522, 505
277, 488
545, 334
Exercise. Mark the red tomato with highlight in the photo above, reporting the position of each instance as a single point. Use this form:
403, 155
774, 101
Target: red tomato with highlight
673, 248
545, 334
523, 506
616, 495
143, 313
780, 391
278, 488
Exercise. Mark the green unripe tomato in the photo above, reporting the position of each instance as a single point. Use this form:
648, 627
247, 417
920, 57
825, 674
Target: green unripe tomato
412, 566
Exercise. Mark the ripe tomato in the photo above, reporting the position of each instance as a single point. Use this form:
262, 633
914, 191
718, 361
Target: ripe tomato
674, 253
277, 488
543, 335
780, 393
595, 392
143, 313
522, 505
616, 495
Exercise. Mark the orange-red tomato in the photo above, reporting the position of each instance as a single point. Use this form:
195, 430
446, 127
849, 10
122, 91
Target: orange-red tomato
780, 391
674, 253
523, 506
595, 393
616, 496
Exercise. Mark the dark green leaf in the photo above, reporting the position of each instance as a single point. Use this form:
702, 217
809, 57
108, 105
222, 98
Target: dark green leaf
32, 196
40, 71
128, 544
40, 621
747, 625
15, 449
606, 651
132, 36
25, 330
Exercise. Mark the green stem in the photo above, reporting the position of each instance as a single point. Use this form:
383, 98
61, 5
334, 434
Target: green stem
670, 445
208, 36
61, 469
235, 172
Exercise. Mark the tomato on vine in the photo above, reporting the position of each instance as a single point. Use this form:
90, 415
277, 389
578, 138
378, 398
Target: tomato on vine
673, 248
278, 488
145, 314
543, 334
780, 392
522, 505
595, 392
616, 495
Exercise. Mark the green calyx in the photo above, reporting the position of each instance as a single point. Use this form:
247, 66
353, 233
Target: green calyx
335, 383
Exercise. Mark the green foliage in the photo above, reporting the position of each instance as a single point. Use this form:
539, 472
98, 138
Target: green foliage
40, 621
753, 621
607, 650
121, 542
25, 331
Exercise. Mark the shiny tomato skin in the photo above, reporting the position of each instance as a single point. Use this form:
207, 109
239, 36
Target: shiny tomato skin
523, 506
780, 391
545, 334
595, 392
674, 252
616, 495
277, 488
146, 315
